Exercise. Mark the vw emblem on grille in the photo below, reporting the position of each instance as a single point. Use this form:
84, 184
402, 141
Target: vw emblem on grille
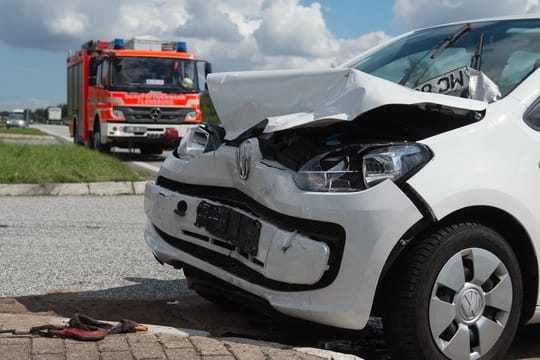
155, 113
243, 159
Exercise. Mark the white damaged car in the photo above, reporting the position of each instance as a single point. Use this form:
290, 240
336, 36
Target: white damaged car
405, 183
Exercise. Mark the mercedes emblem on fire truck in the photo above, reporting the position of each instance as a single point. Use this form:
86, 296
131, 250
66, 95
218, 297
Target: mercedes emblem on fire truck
243, 159
155, 113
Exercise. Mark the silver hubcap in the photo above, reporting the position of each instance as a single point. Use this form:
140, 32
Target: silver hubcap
470, 304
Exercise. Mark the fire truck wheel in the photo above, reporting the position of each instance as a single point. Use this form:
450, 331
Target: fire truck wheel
96, 141
76, 139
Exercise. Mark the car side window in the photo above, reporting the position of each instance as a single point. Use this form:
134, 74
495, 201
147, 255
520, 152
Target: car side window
532, 115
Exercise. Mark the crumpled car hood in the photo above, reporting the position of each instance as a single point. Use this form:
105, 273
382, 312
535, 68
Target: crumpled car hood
293, 98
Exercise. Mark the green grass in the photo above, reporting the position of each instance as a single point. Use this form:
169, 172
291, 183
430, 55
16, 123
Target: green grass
59, 163
20, 131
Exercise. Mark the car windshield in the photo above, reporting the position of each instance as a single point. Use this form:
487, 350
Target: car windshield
151, 74
501, 54
15, 116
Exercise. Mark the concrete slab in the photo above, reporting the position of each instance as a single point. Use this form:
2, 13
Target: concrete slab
111, 188
70, 189
59, 189
25, 189
138, 187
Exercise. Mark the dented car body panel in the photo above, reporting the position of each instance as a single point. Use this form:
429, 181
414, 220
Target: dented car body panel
319, 180
327, 96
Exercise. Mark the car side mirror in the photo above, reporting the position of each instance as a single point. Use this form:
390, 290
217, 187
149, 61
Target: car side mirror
203, 72
207, 69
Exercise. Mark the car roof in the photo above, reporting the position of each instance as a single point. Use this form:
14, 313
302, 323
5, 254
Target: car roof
479, 20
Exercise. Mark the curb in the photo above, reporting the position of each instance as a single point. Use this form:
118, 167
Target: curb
18, 321
26, 137
325, 354
76, 189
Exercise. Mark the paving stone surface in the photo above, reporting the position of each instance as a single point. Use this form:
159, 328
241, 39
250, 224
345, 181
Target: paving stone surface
145, 346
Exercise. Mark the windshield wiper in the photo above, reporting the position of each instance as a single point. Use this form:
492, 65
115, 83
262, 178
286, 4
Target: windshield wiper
476, 59
451, 40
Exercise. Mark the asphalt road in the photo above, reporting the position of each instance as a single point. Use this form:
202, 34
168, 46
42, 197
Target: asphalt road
150, 163
85, 243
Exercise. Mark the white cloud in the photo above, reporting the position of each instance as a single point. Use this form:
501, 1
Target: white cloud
233, 34
411, 14
291, 29
206, 20
153, 19
71, 24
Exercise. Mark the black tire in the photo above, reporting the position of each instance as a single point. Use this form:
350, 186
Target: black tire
441, 280
76, 139
92, 143
96, 141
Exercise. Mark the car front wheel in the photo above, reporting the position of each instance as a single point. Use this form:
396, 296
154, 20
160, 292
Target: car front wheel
456, 295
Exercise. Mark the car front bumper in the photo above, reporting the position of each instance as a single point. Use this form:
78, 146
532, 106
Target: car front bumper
318, 256
16, 123
127, 131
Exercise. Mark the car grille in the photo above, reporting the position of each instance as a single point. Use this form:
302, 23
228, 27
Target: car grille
332, 234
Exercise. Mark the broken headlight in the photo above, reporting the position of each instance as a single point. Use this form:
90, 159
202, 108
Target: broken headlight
193, 144
203, 138
355, 169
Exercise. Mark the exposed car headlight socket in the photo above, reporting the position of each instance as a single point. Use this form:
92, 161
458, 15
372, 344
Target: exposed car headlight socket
193, 144
203, 138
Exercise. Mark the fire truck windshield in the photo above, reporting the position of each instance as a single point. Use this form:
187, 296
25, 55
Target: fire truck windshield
154, 74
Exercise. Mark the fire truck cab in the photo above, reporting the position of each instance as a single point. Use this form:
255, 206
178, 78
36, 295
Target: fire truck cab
138, 93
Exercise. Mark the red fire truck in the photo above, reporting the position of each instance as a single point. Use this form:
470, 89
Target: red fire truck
133, 94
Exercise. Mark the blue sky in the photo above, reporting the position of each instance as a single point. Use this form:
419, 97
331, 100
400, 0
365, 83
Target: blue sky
233, 34
352, 18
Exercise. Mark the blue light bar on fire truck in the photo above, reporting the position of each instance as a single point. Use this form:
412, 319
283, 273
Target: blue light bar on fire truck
181, 46
118, 44
149, 44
